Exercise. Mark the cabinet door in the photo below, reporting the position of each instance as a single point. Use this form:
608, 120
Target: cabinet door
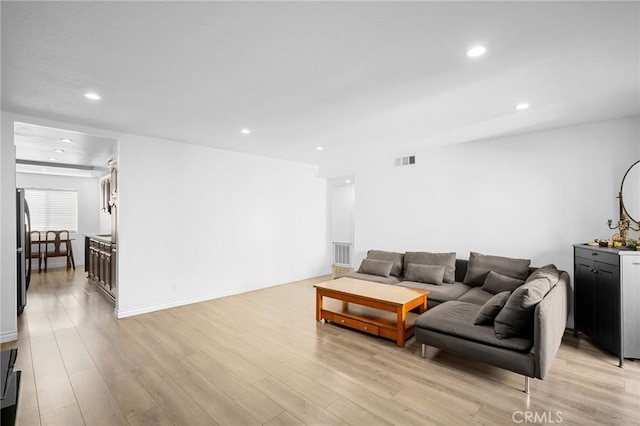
585, 295
607, 290
107, 269
93, 262
113, 270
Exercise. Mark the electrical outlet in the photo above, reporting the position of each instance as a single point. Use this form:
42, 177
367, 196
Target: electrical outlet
174, 287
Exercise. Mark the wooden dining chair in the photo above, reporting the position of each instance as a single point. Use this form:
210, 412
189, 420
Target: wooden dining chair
36, 239
54, 247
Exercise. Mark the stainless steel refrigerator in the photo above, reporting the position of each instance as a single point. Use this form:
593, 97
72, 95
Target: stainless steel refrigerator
23, 233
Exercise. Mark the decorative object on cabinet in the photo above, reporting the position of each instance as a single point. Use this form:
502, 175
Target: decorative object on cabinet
607, 298
629, 189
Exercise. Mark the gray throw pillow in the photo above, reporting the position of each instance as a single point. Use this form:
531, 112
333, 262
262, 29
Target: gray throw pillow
516, 317
430, 274
389, 256
497, 283
448, 260
549, 272
381, 268
480, 265
491, 309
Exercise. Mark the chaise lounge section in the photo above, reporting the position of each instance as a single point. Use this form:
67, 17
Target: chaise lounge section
493, 309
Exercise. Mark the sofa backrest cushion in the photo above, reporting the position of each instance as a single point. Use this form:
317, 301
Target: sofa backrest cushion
491, 308
516, 317
461, 269
381, 268
448, 260
497, 283
396, 258
481, 264
430, 274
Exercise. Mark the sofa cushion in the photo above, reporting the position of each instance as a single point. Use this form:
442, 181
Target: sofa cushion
549, 272
448, 260
381, 268
439, 293
476, 295
491, 309
374, 278
430, 274
396, 258
497, 283
481, 264
516, 317
456, 318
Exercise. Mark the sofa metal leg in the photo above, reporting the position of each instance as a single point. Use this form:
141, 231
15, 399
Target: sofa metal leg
424, 350
526, 384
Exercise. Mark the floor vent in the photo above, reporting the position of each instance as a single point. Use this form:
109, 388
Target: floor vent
342, 254
405, 161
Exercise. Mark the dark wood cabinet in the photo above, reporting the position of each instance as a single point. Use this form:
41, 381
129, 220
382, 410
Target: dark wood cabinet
101, 263
601, 297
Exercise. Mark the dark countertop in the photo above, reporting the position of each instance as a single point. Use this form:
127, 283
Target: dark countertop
611, 250
104, 238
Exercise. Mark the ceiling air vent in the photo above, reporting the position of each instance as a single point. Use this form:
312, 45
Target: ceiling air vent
406, 161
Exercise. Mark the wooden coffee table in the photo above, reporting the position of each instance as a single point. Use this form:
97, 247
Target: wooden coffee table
378, 309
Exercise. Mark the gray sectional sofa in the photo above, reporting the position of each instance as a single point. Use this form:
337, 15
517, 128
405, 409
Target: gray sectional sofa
494, 309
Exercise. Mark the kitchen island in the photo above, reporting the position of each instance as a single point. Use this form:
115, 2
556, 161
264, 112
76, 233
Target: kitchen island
100, 262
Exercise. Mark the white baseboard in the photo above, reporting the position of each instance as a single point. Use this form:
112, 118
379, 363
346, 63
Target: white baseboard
8, 336
189, 300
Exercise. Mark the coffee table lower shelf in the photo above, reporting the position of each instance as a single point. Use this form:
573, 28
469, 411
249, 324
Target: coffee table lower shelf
368, 320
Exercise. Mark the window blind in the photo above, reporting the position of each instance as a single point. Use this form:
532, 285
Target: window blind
53, 209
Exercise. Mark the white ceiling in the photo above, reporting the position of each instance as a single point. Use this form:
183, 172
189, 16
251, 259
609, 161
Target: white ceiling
353, 77
83, 155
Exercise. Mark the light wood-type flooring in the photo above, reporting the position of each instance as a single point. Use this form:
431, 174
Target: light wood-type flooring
261, 358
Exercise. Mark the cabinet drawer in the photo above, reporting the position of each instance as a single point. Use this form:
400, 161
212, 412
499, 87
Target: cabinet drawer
598, 256
358, 325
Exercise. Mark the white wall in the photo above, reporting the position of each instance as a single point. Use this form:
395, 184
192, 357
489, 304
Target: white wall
197, 223
88, 208
211, 222
529, 196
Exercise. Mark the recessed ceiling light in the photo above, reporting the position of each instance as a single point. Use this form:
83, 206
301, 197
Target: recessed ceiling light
245, 131
59, 151
476, 51
319, 148
521, 106
93, 96
43, 169
67, 140
53, 159
347, 181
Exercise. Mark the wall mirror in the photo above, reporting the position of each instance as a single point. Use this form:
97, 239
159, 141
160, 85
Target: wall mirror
630, 192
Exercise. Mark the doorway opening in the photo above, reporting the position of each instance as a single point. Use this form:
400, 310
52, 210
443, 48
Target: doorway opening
342, 224
61, 173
